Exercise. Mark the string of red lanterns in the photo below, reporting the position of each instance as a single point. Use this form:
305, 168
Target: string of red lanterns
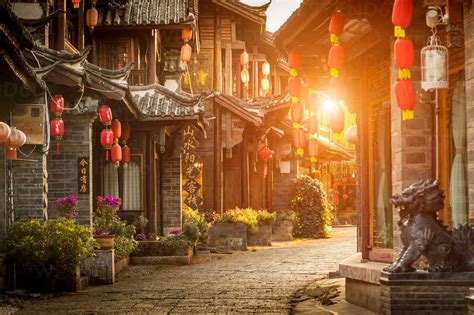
404, 57
126, 149
297, 108
186, 49
56, 126
116, 151
106, 135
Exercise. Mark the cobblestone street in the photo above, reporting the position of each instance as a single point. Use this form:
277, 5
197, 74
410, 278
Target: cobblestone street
254, 281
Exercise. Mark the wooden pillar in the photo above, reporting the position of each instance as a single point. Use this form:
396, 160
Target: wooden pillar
61, 22
218, 182
80, 33
228, 69
151, 182
245, 172
217, 52
151, 75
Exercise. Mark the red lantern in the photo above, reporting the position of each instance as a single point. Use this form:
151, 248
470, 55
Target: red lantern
57, 131
405, 94
116, 129
297, 112
294, 85
116, 154
336, 26
336, 89
105, 115
244, 58
5, 132
186, 51
299, 141
56, 105
76, 3
265, 154
92, 18
313, 124
351, 136
402, 13
404, 53
337, 119
336, 57
294, 59
107, 140
17, 139
126, 130
125, 155
187, 34
313, 150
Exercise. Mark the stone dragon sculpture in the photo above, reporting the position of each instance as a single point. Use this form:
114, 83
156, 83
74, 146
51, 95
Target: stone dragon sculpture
422, 234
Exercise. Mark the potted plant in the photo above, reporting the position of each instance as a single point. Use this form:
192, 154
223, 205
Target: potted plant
66, 207
263, 235
105, 217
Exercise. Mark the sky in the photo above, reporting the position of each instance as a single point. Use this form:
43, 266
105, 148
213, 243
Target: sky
278, 12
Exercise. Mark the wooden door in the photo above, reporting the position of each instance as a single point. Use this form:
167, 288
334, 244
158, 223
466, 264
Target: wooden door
233, 180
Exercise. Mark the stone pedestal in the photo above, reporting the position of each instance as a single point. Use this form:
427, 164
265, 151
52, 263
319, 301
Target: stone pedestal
425, 293
100, 269
282, 231
263, 236
228, 236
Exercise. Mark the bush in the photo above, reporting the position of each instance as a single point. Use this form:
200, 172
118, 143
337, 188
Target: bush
247, 216
124, 246
199, 220
313, 212
285, 215
56, 247
191, 232
265, 217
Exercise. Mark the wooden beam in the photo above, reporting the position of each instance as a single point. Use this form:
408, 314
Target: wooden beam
228, 69
151, 74
81, 28
218, 189
217, 52
61, 23
245, 173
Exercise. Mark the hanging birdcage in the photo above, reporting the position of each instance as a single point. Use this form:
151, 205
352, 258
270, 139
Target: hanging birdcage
434, 65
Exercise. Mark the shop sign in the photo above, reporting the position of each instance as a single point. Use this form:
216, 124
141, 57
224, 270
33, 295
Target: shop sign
83, 175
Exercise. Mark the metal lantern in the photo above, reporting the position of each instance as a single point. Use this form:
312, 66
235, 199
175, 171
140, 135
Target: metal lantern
434, 65
5, 132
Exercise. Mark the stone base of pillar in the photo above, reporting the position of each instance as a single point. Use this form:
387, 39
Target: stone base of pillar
100, 269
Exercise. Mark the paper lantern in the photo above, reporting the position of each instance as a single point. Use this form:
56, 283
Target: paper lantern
294, 85
116, 129
406, 99
244, 58
337, 119
266, 68
186, 51
299, 141
402, 13
313, 150
56, 105
351, 135
105, 115
297, 112
336, 89
265, 84
265, 154
404, 53
434, 66
313, 102
313, 124
294, 59
125, 155
116, 154
336, 57
92, 18
57, 131
17, 139
76, 4
5, 132
126, 131
244, 76
107, 140
336, 25
187, 34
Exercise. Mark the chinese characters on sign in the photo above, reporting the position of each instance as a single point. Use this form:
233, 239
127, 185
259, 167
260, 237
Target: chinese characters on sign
83, 175
191, 170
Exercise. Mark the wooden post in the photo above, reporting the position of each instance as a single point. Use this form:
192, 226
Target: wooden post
217, 52
218, 189
245, 172
80, 33
151, 58
228, 69
61, 25
363, 136
151, 181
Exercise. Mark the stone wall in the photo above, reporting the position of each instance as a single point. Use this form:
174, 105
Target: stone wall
63, 167
469, 74
171, 193
282, 190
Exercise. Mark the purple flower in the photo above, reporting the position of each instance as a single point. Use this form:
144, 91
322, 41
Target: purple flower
97, 232
175, 231
140, 237
67, 206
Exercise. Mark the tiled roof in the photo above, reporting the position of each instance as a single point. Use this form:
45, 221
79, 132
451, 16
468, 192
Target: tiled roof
254, 13
145, 12
156, 101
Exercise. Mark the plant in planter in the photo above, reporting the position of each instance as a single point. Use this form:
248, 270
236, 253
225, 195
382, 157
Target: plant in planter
313, 211
263, 235
194, 218
140, 224
67, 207
247, 216
283, 226
105, 217
124, 244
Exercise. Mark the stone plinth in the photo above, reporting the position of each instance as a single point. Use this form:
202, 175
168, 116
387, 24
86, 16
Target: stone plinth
262, 237
425, 293
228, 236
100, 269
282, 231
162, 252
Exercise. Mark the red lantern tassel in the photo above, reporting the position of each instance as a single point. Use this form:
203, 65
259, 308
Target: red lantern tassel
106, 155
58, 145
265, 169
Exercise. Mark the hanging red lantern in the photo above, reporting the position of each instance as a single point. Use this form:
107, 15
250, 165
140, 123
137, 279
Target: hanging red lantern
294, 59
299, 140
187, 34
294, 85
107, 140
402, 13
336, 26
92, 18
406, 99
313, 150
76, 4
105, 115
57, 131
17, 139
5, 132
297, 112
116, 154
186, 51
265, 154
351, 135
125, 155
56, 105
337, 119
336, 88
336, 57
313, 124
126, 131
244, 58
404, 53
116, 129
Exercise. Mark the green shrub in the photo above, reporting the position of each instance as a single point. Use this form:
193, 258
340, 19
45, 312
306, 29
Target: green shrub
285, 215
193, 217
247, 216
265, 217
313, 212
55, 247
124, 246
191, 232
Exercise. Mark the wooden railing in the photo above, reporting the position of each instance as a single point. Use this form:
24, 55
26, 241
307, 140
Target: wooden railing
138, 77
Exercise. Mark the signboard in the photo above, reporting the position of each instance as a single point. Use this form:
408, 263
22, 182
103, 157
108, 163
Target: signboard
192, 179
83, 175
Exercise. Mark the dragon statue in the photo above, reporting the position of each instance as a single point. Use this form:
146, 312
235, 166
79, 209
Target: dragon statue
422, 234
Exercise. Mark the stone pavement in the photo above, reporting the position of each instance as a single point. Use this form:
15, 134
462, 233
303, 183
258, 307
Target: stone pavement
260, 281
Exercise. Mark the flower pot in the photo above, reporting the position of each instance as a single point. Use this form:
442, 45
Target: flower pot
105, 241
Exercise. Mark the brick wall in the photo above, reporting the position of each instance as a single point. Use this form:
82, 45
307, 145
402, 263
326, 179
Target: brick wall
469, 73
63, 167
282, 189
3, 201
171, 192
411, 139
